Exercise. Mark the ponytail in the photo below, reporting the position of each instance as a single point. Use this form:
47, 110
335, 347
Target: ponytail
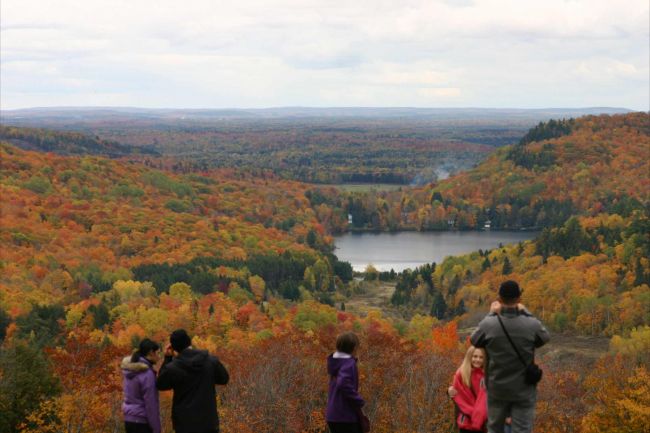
136, 356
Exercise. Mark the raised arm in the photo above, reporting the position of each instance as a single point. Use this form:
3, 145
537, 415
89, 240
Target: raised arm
165, 377
541, 336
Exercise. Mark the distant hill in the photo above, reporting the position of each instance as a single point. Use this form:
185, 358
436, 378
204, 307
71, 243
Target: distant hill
67, 143
560, 168
594, 164
114, 113
399, 145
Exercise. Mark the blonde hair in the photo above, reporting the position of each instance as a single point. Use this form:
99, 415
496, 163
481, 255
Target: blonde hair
466, 366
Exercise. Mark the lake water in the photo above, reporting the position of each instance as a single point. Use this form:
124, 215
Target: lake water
404, 250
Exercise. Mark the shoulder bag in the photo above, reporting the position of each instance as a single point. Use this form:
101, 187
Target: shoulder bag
533, 373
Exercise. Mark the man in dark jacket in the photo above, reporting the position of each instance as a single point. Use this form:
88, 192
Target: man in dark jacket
508, 392
192, 375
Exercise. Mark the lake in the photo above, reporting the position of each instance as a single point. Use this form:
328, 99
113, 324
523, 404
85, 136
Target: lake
404, 250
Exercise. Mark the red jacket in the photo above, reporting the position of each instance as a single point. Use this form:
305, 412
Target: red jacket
472, 403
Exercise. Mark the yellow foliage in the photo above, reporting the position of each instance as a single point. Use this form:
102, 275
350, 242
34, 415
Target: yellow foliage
257, 286
73, 315
420, 327
637, 344
181, 292
128, 290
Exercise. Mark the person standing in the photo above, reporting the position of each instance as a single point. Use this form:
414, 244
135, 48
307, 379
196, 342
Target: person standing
192, 374
344, 403
470, 396
510, 334
141, 408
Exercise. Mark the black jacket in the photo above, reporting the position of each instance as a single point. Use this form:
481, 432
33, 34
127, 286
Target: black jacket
192, 375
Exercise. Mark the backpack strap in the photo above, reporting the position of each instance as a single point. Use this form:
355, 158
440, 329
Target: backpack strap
511, 342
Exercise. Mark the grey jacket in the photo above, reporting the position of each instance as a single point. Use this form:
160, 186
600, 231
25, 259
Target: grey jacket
505, 372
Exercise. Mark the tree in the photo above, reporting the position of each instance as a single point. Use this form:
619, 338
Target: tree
101, 315
507, 267
181, 292
257, 286
5, 320
311, 238
26, 381
439, 306
41, 324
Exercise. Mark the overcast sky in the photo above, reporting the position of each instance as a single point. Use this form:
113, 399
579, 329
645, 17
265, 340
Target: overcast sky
269, 53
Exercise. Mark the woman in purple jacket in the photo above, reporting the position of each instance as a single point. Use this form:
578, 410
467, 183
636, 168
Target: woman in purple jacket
344, 414
141, 408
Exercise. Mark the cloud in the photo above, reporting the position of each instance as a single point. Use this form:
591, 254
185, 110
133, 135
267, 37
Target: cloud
331, 52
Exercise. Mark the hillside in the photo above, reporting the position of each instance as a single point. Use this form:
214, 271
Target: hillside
591, 277
97, 254
71, 226
66, 143
586, 182
401, 146
594, 164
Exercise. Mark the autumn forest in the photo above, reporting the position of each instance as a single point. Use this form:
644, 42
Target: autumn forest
114, 230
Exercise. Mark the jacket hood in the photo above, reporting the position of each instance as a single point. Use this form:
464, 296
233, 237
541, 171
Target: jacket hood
192, 360
131, 369
335, 364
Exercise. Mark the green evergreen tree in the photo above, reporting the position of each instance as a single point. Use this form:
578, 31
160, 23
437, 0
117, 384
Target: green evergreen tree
26, 381
640, 276
454, 285
5, 320
439, 306
507, 267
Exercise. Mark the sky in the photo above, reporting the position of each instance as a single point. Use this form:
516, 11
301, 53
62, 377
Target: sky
325, 53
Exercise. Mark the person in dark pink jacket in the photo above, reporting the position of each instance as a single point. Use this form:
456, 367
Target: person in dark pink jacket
471, 395
141, 407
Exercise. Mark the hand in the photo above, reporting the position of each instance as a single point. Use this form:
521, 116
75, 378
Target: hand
451, 391
521, 307
495, 307
169, 351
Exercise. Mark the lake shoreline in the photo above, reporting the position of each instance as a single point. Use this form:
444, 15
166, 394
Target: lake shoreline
415, 229
411, 249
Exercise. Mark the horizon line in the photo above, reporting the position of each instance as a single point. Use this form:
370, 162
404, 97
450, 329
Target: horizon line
308, 107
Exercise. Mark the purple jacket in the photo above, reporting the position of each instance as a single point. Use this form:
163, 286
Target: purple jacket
343, 399
140, 393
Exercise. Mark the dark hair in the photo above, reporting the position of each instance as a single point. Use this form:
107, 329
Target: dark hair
180, 340
146, 347
509, 291
347, 342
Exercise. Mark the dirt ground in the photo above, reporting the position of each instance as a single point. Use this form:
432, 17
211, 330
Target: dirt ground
376, 297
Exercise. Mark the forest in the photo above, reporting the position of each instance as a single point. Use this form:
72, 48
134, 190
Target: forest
66, 143
327, 146
600, 166
98, 253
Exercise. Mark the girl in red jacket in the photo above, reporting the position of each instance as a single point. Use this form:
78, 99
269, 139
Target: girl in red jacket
471, 396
